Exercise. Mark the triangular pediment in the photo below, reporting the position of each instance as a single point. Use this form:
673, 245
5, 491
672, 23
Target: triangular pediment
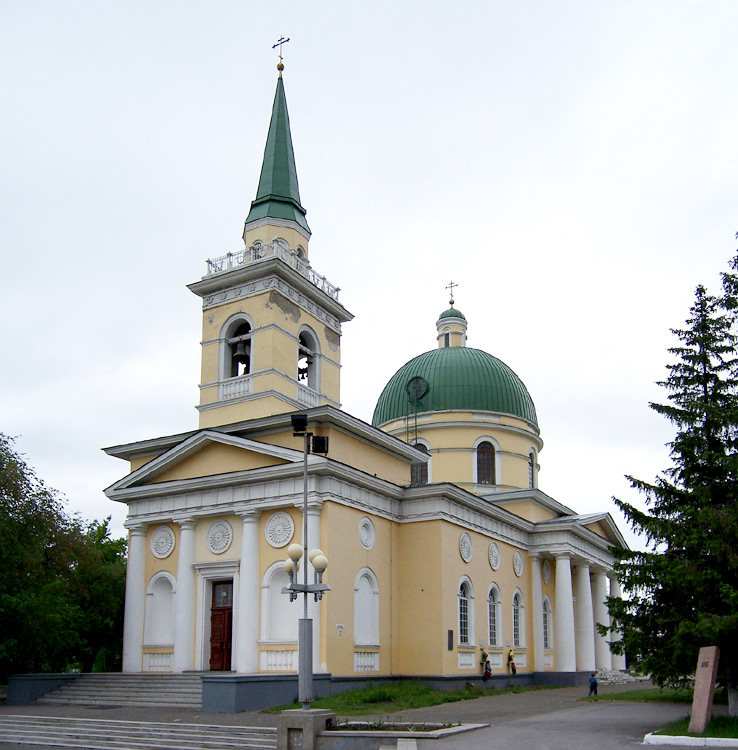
208, 453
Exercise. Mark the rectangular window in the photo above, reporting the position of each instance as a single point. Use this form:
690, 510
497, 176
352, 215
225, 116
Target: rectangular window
492, 615
463, 619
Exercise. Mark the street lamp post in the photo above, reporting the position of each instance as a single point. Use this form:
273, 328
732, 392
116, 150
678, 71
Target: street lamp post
291, 565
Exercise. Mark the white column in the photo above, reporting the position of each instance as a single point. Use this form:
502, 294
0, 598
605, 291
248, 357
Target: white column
184, 609
603, 658
537, 591
133, 618
618, 660
584, 620
564, 617
313, 606
246, 622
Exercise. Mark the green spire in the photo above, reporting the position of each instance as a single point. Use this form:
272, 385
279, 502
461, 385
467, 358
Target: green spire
278, 196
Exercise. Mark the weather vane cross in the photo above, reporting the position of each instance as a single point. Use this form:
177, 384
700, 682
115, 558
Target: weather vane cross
280, 42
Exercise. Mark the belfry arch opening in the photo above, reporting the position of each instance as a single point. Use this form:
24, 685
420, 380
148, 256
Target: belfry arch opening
238, 355
307, 360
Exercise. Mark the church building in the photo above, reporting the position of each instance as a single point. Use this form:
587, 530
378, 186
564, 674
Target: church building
441, 547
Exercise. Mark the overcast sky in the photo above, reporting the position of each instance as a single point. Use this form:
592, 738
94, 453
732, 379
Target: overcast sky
571, 165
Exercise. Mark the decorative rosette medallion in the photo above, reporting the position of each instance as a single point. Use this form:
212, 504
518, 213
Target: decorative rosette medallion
465, 546
367, 534
220, 536
494, 556
546, 571
279, 529
518, 563
162, 542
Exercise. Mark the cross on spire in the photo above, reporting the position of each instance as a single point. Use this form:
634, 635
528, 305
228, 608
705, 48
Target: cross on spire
280, 42
450, 287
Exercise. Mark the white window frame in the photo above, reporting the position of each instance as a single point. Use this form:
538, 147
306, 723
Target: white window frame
498, 461
495, 639
469, 602
266, 613
426, 445
518, 619
548, 632
372, 638
150, 614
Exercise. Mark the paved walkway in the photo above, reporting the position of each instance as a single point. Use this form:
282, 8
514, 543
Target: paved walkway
543, 720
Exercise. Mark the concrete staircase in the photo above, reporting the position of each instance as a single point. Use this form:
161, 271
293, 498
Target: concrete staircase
97, 734
615, 677
116, 689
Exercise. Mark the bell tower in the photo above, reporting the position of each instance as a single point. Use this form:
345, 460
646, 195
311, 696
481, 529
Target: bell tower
271, 339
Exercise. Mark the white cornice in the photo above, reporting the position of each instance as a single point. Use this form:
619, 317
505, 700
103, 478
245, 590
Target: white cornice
270, 274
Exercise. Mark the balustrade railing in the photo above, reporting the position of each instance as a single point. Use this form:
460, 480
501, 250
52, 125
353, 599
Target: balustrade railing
307, 396
278, 660
235, 387
262, 251
366, 661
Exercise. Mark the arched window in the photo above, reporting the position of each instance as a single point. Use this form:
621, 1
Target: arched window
236, 351
494, 618
308, 356
366, 609
531, 470
279, 616
159, 622
419, 472
486, 470
547, 624
518, 620
466, 613
446, 338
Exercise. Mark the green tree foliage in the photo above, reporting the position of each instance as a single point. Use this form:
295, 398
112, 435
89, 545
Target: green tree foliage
62, 583
682, 592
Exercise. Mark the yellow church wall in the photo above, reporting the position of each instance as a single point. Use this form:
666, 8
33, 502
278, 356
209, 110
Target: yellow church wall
482, 577
454, 462
598, 528
214, 459
267, 233
238, 412
139, 461
203, 553
530, 511
418, 599
349, 450
153, 564
268, 555
339, 540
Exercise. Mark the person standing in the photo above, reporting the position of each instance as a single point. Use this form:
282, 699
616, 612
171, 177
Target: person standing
593, 684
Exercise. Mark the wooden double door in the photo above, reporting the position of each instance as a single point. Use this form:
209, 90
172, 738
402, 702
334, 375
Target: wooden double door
221, 626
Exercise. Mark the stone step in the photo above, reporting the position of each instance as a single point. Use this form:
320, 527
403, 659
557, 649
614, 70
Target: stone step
103, 734
128, 690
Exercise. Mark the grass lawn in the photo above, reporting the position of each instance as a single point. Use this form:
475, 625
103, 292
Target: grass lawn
719, 726
385, 699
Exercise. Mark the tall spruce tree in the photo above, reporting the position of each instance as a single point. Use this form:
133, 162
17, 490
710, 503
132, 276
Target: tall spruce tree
682, 592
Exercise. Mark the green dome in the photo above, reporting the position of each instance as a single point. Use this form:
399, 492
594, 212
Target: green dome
452, 312
454, 378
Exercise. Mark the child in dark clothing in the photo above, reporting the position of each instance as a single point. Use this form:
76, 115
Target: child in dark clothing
593, 684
